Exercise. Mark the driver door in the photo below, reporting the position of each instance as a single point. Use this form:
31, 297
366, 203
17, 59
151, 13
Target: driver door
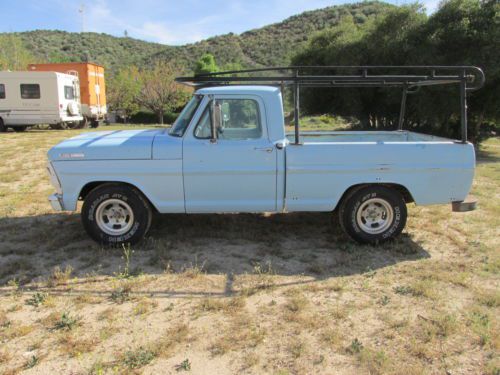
237, 171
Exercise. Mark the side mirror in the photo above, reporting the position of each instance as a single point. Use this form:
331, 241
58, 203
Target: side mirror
216, 120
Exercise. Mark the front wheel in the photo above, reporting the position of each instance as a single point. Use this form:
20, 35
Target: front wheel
114, 214
373, 214
3, 128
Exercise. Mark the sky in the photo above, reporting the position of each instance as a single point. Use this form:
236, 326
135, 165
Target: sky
171, 22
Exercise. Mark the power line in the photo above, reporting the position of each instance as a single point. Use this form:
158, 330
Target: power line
81, 10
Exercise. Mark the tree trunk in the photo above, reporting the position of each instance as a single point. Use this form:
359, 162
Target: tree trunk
160, 116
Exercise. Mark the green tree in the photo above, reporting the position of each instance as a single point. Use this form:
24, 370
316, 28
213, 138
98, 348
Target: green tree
57, 57
231, 66
13, 53
206, 64
158, 90
122, 91
461, 32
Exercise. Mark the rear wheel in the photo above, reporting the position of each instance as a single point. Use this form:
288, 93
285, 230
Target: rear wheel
3, 128
94, 123
84, 123
373, 214
113, 214
19, 129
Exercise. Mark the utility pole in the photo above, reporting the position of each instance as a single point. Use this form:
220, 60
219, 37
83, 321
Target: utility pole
81, 10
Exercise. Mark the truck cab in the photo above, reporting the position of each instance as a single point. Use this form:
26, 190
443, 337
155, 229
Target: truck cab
243, 158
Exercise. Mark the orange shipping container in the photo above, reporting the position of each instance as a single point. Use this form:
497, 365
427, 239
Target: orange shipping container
92, 86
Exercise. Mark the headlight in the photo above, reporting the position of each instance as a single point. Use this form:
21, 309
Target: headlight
54, 180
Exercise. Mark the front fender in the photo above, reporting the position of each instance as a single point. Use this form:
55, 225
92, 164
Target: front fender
159, 180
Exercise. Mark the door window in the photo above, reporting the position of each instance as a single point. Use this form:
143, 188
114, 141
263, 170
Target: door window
69, 92
2, 91
30, 91
240, 120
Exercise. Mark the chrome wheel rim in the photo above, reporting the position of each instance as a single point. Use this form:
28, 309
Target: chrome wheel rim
114, 217
374, 216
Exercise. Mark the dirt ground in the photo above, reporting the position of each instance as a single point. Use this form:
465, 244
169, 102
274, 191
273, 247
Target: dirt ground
250, 294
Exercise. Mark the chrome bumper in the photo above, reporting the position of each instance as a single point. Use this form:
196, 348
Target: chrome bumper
56, 202
469, 204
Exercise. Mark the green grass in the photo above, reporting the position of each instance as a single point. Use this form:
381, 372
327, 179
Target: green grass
321, 123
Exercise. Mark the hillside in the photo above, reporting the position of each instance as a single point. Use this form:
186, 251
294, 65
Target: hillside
270, 45
273, 44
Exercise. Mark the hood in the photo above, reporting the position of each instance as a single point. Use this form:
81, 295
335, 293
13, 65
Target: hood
107, 145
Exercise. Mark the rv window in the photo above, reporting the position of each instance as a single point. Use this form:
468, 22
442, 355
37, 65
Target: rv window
69, 92
30, 91
2, 91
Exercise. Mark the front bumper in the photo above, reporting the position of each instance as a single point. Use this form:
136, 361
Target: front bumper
56, 202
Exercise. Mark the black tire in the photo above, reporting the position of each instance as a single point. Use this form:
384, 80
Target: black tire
373, 201
94, 124
19, 129
74, 125
59, 126
124, 197
83, 124
3, 128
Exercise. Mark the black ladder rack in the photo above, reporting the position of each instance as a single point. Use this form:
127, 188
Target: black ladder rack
409, 78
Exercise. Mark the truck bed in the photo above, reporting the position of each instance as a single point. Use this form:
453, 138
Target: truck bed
364, 136
318, 171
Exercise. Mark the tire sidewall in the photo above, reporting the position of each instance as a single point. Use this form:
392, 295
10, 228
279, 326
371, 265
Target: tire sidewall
139, 206
350, 210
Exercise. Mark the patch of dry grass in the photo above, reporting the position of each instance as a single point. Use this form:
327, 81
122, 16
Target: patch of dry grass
15, 330
332, 337
109, 314
59, 276
75, 345
165, 345
488, 298
5, 356
87, 299
375, 362
246, 293
229, 306
243, 333
145, 306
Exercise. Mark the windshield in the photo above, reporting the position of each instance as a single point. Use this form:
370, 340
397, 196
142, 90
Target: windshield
182, 122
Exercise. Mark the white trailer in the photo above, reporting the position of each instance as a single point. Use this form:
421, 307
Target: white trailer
31, 98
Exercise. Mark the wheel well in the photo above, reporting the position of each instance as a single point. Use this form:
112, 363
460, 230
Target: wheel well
402, 190
92, 185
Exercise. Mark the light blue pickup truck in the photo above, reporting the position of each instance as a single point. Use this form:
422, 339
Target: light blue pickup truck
228, 153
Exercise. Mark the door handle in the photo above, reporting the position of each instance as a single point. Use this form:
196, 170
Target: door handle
265, 149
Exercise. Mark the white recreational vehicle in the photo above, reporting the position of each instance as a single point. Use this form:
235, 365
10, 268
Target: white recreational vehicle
31, 98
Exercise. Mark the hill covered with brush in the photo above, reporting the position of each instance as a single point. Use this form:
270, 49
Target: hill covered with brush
270, 45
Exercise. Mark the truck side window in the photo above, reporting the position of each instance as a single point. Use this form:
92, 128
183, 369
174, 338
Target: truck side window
69, 92
202, 130
2, 91
30, 91
240, 120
